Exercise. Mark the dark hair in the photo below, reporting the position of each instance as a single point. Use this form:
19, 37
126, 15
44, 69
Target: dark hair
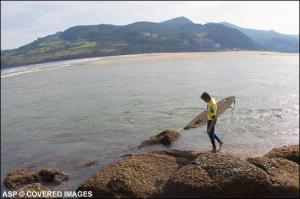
205, 95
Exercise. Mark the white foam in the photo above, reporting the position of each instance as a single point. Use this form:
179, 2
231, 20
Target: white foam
19, 73
23, 70
10, 72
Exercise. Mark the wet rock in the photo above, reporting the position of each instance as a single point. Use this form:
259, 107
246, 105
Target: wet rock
166, 137
20, 177
36, 187
286, 152
284, 175
88, 164
52, 175
91, 163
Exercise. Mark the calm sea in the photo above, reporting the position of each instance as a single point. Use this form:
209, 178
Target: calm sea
66, 114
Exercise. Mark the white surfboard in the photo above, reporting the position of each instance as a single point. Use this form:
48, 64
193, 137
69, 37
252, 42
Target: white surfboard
201, 118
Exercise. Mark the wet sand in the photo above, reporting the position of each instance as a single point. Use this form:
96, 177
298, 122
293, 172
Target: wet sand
183, 55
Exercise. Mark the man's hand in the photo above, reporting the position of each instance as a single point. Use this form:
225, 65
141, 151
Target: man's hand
212, 124
208, 130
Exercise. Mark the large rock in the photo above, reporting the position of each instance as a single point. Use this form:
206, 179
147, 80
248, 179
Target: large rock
189, 174
20, 177
166, 137
286, 152
284, 175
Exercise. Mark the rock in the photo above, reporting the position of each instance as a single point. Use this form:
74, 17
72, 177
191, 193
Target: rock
20, 177
286, 152
190, 181
88, 164
170, 174
61, 177
91, 163
190, 155
166, 137
235, 177
36, 187
136, 176
284, 175
47, 175
53, 175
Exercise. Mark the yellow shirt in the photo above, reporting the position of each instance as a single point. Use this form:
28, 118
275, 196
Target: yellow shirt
211, 109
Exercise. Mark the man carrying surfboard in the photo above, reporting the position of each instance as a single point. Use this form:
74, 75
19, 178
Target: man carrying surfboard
211, 119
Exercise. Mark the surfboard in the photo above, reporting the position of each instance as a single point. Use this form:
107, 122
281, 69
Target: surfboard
201, 118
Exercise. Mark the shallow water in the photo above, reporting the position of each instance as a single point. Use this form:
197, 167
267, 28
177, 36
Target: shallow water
68, 113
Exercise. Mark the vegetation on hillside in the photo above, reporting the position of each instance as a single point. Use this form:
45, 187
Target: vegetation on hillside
176, 35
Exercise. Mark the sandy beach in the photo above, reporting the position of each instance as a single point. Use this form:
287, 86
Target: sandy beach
181, 55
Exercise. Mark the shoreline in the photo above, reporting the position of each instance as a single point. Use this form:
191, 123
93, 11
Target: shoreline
120, 59
182, 54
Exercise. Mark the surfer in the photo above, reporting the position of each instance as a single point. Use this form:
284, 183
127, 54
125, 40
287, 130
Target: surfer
211, 119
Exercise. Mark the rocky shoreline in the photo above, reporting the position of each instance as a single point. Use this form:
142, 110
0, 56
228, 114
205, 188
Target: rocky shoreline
199, 174
180, 174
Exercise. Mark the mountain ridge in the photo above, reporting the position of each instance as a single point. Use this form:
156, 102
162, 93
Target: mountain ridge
178, 20
270, 39
175, 35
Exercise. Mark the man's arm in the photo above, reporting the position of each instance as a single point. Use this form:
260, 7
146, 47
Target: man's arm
213, 122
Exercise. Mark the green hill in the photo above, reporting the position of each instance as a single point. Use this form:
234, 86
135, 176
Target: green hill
176, 35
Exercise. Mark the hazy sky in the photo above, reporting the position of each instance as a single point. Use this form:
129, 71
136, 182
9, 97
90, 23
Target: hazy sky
23, 22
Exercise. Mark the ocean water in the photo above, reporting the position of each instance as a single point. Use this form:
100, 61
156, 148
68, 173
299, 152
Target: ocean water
66, 114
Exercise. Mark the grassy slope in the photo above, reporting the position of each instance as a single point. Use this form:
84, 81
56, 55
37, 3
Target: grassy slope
140, 37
